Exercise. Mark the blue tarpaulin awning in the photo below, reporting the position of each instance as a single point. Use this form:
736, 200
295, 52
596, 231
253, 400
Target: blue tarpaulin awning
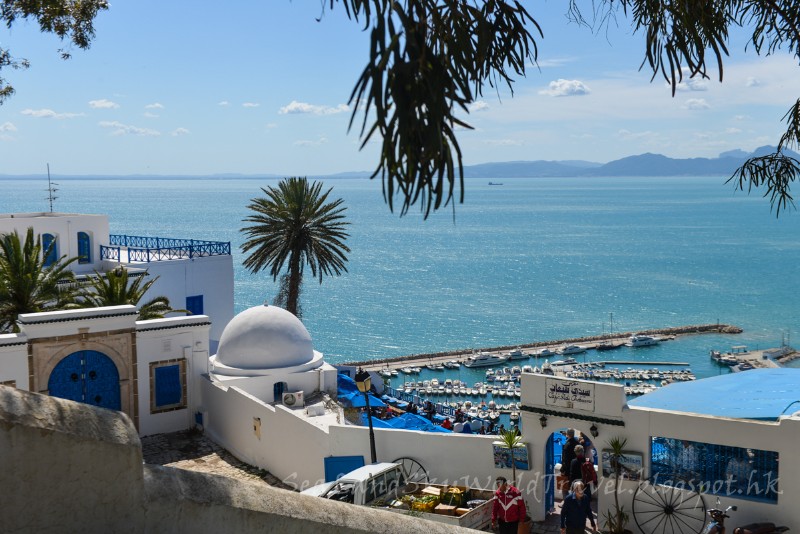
761, 394
349, 395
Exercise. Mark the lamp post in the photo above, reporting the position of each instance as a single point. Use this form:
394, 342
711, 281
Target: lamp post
364, 383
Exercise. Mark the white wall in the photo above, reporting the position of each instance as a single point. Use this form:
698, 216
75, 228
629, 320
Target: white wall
14, 358
210, 276
169, 339
65, 226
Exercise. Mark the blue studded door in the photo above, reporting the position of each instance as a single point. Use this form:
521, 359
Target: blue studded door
87, 376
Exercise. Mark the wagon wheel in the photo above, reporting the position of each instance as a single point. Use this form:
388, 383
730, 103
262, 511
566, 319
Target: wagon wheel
415, 474
668, 509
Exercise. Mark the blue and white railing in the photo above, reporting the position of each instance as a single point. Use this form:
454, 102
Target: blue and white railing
147, 249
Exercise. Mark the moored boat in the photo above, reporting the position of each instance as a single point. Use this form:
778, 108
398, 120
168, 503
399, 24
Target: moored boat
484, 359
571, 349
642, 340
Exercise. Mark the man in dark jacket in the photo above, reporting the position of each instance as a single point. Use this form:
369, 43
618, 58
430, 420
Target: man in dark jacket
508, 508
568, 451
575, 510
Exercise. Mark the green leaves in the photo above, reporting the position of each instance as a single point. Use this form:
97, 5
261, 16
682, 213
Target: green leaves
26, 284
118, 287
295, 223
430, 59
71, 20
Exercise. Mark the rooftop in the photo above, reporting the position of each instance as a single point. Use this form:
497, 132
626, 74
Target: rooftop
761, 394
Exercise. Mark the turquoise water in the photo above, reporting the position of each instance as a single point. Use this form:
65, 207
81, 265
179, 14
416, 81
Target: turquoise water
535, 259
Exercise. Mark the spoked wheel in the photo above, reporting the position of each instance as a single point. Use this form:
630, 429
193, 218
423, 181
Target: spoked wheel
668, 509
413, 471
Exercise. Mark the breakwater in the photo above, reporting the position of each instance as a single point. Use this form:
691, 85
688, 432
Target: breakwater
616, 336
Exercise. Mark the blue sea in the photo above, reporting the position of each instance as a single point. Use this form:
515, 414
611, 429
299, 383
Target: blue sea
531, 260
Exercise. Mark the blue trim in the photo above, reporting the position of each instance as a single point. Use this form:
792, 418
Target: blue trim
194, 304
84, 248
147, 249
52, 257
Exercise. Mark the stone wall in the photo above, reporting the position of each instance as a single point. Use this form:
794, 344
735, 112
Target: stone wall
70, 467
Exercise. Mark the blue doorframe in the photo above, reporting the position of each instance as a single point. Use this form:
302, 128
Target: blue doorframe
87, 376
549, 476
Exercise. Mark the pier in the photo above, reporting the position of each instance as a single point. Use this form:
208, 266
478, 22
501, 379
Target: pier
589, 342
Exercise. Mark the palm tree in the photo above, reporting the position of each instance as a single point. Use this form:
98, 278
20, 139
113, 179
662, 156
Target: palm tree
27, 285
510, 440
616, 520
113, 289
294, 223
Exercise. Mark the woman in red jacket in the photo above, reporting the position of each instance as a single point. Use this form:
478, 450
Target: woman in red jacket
508, 508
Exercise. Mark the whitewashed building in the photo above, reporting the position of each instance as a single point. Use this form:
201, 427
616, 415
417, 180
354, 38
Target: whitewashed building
193, 274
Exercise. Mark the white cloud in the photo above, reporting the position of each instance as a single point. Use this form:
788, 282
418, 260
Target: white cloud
563, 87
150, 115
179, 131
636, 136
271, 125
554, 62
103, 104
7, 127
741, 117
321, 141
48, 114
126, 129
224, 103
732, 130
752, 82
303, 107
691, 83
504, 142
696, 103
250, 105
154, 105
480, 105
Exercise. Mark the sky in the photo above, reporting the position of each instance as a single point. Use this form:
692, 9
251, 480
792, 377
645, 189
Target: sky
251, 87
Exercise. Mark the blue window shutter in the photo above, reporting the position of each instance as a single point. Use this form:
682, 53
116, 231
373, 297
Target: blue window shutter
84, 248
169, 390
195, 304
51, 258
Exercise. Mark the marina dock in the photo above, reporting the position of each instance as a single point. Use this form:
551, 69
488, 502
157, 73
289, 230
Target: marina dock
589, 342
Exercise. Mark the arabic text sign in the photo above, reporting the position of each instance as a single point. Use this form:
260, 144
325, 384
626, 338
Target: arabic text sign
570, 394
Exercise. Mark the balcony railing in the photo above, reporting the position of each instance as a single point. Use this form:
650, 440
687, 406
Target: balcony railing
146, 249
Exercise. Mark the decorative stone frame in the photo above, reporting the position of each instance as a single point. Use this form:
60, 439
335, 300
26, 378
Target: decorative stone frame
120, 346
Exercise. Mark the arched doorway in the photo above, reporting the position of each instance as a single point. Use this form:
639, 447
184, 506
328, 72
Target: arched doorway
86, 376
278, 390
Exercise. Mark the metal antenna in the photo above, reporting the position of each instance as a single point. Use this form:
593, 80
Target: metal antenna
51, 190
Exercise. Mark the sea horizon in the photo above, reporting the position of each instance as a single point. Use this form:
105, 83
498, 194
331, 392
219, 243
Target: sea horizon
534, 260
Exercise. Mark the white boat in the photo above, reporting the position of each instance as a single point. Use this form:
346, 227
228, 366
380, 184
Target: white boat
547, 369
546, 352
517, 354
572, 349
484, 359
565, 361
452, 364
527, 369
642, 340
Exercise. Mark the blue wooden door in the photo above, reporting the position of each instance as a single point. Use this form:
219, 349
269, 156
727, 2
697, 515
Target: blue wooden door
87, 376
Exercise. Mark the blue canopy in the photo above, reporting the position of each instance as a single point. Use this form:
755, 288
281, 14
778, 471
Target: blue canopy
763, 394
407, 421
349, 395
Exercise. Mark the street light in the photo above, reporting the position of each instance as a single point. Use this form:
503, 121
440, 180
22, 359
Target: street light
364, 383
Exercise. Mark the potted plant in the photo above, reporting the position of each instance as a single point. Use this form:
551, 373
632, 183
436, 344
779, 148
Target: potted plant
510, 440
615, 521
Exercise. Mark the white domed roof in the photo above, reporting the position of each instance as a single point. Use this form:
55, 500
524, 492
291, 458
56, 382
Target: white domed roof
265, 337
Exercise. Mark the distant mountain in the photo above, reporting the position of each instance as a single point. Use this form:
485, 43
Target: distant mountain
641, 165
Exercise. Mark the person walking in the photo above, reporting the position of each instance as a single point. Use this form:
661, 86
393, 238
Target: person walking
508, 509
568, 451
575, 510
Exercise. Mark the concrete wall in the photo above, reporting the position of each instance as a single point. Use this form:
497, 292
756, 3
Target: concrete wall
68, 467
